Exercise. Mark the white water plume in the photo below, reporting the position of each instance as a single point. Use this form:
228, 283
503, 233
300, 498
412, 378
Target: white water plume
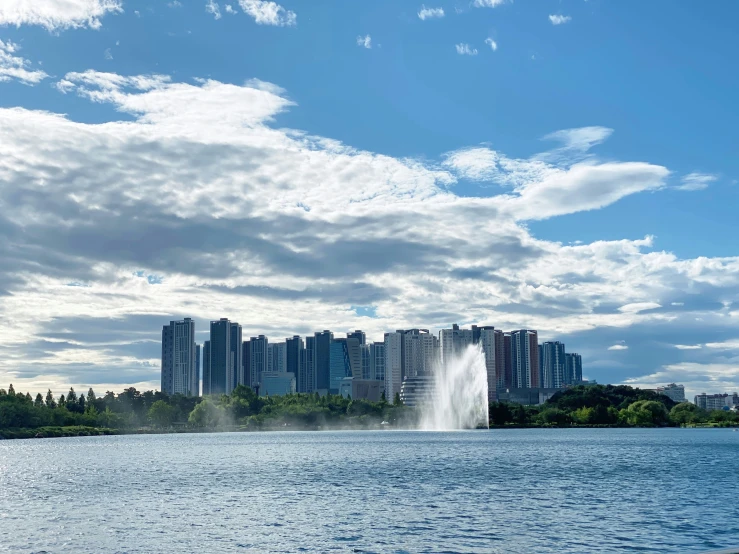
460, 398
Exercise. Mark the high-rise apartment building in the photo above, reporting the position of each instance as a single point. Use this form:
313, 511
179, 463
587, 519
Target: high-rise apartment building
225, 356
525, 359
377, 362
420, 352
294, 357
452, 342
179, 359
345, 360
408, 353
277, 357
258, 347
206, 368
366, 363
393, 366
573, 368
236, 361
197, 369
507, 360
359, 335
220, 355
490, 342
552, 365
245, 377
322, 361
308, 368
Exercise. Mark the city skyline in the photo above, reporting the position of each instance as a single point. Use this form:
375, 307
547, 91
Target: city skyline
326, 363
161, 160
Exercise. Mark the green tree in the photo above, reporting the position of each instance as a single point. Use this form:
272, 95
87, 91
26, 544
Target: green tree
81, 402
39, 400
162, 414
62, 401
91, 396
647, 413
520, 415
50, 402
684, 413
206, 415
396, 400
72, 396
11, 390
554, 416
500, 413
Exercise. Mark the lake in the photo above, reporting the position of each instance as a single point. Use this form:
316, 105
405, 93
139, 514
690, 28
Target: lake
532, 491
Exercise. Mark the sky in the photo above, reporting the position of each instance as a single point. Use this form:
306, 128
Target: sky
568, 166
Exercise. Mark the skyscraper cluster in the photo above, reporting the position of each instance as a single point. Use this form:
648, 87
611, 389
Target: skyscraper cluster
325, 363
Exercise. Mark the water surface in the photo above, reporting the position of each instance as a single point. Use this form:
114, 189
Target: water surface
570, 490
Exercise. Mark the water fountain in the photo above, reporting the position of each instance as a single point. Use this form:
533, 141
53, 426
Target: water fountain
460, 399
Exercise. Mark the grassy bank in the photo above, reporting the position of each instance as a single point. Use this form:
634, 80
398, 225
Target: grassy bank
55, 432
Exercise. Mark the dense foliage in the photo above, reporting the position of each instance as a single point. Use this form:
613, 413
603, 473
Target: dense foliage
132, 410
22, 415
608, 405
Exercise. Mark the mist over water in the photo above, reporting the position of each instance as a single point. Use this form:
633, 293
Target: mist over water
460, 400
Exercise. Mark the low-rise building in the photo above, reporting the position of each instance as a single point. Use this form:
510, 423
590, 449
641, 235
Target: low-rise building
674, 392
361, 389
712, 402
418, 390
525, 396
277, 383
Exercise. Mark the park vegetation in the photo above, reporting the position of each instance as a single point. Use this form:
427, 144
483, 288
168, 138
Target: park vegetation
609, 406
132, 411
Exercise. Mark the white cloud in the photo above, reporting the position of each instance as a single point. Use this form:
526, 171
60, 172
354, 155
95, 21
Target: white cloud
108, 54
285, 232
174, 4
677, 303
725, 345
269, 13
543, 190
618, 347
465, 49
487, 3
581, 138
559, 19
688, 346
56, 15
696, 181
230, 9
636, 307
364, 41
493, 45
430, 13
16, 67
212, 8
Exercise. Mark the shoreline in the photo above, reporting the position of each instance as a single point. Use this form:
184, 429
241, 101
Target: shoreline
79, 431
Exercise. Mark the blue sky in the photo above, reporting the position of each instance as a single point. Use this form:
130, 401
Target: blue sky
485, 165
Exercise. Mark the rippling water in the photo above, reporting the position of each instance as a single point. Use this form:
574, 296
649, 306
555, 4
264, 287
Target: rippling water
578, 490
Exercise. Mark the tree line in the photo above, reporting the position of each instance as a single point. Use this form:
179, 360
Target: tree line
608, 405
22, 415
132, 410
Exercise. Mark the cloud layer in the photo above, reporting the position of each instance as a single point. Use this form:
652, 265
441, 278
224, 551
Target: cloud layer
54, 15
13, 67
195, 204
